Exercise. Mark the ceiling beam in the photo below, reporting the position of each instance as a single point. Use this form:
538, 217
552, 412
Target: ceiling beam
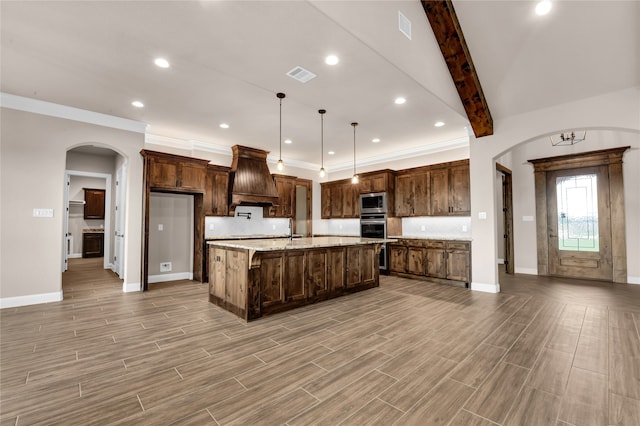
446, 28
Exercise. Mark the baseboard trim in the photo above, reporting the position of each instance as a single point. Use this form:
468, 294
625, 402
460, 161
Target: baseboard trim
130, 287
32, 299
74, 256
485, 288
633, 280
170, 277
500, 261
527, 271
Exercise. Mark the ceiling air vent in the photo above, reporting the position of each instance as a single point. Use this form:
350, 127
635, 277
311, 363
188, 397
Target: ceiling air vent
301, 74
404, 25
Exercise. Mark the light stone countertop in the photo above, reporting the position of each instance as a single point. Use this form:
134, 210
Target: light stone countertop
431, 237
297, 243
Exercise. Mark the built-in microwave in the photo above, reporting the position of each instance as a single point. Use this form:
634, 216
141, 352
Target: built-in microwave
373, 203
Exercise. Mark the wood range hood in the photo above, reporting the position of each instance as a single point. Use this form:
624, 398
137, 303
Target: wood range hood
250, 181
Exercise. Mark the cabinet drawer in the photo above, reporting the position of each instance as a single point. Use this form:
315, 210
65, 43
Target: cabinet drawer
435, 244
458, 245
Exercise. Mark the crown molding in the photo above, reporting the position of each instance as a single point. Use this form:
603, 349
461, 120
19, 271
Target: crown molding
50, 109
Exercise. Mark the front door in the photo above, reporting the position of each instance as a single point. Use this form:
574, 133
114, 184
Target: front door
579, 223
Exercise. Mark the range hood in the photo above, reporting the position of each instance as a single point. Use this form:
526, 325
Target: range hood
250, 181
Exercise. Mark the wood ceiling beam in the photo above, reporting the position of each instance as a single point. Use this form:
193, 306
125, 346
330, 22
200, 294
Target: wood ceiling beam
444, 22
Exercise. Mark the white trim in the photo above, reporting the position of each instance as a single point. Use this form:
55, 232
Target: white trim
633, 280
70, 113
399, 155
528, 271
131, 287
500, 261
485, 288
170, 277
32, 299
74, 256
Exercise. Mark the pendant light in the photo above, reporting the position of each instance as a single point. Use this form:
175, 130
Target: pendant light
322, 171
280, 165
355, 179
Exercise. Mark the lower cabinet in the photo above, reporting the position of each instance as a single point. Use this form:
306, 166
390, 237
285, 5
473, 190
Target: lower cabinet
255, 284
93, 244
447, 262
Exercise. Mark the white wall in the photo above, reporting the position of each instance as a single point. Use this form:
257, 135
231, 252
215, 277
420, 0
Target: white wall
618, 112
33, 163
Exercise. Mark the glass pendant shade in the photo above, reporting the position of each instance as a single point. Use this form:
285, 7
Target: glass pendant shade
355, 179
280, 164
322, 171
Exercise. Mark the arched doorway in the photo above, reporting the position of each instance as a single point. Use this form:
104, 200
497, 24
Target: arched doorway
95, 178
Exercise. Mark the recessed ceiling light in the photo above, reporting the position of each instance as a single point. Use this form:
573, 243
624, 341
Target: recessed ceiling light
439, 123
331, 152
400, 100
331, 60
543, 7
287, 141
161, 62
375, 140
137, 104
224, 126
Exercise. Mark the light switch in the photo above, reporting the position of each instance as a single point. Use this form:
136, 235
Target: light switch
482, 215
211, 227
423, 228
160, 227
527, 218
42, 212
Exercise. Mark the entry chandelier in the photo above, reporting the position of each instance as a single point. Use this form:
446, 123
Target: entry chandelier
355, 179
567, 139
322, 171
280, 165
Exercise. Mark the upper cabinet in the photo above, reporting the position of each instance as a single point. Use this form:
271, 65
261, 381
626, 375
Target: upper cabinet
436, 190
216, 195
175, 172
412, 193
286, 187
94, 203
341, 198
451, 190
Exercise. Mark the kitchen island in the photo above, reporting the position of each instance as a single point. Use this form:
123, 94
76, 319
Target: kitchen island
253, 278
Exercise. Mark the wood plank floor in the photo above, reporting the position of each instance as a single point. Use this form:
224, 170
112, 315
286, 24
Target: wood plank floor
543, 352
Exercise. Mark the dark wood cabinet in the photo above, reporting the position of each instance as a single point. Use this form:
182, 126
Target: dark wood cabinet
447, 262
436, 259
286, 187
397, 258
94, 207
341, 199
451, 191
92, 244
175, 172
412, 194
325, 201
216, 195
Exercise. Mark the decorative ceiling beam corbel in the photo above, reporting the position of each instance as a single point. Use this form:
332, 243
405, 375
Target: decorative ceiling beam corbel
444, 22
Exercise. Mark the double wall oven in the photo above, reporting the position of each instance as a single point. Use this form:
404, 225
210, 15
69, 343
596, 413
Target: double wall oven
373, 221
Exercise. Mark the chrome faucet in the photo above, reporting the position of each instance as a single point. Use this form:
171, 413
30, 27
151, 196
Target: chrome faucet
290, 229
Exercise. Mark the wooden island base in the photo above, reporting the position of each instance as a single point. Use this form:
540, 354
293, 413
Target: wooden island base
258, 281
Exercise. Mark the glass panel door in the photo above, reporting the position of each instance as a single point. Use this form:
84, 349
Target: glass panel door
577, 198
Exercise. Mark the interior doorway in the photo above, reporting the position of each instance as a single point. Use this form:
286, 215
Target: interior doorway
506, 206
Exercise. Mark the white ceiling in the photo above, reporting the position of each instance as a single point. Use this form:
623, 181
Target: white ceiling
229, 59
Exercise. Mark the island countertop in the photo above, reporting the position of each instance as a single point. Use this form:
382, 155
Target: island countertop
297, 243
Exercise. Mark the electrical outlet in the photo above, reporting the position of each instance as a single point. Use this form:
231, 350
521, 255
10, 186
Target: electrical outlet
464, 228
211, 227
273, 226
160, 227
165, 266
